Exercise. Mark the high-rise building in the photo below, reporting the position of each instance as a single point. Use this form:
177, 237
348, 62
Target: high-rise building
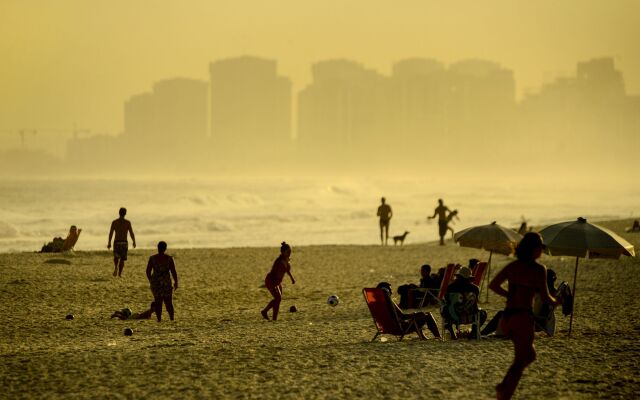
250, 106
175, 111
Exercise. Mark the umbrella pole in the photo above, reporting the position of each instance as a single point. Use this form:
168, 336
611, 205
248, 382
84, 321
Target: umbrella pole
486, 278
575, 275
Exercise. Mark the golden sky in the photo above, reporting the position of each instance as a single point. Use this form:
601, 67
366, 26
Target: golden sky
76, 61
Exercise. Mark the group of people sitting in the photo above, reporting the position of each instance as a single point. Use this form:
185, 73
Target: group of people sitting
460, 304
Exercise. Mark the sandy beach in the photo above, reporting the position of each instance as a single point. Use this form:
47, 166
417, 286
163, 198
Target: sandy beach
220, 347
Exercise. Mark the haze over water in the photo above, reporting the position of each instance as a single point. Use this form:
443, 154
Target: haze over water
264, 212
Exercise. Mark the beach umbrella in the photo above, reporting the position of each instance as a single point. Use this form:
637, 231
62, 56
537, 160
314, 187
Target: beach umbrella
493, 238
582, 239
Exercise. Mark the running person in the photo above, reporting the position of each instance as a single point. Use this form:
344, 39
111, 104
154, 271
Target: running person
526, 278
443, 224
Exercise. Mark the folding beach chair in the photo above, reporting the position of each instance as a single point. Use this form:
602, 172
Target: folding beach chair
446, 280
385, 317
478, 273
462, 309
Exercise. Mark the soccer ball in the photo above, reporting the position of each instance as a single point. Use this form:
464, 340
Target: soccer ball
333, 300
128, 331
293, 308
69, 316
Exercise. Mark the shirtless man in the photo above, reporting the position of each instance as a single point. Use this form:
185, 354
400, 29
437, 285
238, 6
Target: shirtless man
121, 227
443, 224
385, 214
526, 278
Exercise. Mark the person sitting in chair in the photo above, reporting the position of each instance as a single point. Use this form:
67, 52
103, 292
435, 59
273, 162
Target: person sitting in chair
72, 238
411, 295
461, 304
58, 245
421, 318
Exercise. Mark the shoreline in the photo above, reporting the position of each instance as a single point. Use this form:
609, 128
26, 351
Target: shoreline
605, 222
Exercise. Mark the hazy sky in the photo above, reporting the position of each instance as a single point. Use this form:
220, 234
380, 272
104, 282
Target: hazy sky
77, 61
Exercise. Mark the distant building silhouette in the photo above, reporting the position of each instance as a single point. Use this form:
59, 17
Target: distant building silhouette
250, 107
344, 110
590, 111
175, 112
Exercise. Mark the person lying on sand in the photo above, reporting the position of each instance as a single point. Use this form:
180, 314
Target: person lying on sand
126, 313
58, 244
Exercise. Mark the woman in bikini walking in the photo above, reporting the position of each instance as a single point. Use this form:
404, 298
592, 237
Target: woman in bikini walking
526, 278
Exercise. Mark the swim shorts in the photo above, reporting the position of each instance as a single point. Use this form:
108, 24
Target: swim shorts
120, 250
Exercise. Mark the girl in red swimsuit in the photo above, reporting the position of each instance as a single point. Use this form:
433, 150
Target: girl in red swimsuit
273, 280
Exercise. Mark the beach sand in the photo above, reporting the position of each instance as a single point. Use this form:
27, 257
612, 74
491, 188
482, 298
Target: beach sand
220, 347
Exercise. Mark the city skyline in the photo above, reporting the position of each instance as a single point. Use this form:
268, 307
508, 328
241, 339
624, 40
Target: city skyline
74, 62
350, 113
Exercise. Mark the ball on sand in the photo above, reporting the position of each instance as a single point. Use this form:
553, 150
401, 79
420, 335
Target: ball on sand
69, 316
333, 300
293, 308
128, 331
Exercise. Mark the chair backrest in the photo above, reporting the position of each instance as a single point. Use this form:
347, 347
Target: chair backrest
446, 280
382, 311
478, 273
463, 307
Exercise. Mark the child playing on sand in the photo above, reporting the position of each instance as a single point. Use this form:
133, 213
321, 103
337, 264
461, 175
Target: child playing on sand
273, 280
126, 313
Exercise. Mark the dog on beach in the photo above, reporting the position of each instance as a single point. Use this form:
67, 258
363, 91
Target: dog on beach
400, 238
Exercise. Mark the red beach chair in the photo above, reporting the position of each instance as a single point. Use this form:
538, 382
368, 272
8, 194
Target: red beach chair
384, 315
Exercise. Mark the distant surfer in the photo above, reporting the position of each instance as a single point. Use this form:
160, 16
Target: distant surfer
121, 227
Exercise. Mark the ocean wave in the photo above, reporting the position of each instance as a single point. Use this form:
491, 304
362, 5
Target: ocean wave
218, 227
7, 231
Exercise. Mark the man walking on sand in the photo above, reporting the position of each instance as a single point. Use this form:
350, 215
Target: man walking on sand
441, 212
121, 227
385, 214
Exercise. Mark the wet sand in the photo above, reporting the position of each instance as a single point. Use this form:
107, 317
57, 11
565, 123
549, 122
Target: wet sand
220, 347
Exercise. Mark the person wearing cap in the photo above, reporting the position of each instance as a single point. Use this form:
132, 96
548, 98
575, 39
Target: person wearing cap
525, 278
462, 297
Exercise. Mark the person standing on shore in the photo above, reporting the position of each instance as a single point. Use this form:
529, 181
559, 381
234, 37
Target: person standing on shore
385, 214
160, 269
526, 278
273, 280
121, 227
441, 211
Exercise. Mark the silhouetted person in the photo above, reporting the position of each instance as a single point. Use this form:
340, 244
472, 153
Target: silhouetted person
126, 313
441, 212
160, 269
273, 280
526, 278
121, 227
385, 214
635, 227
